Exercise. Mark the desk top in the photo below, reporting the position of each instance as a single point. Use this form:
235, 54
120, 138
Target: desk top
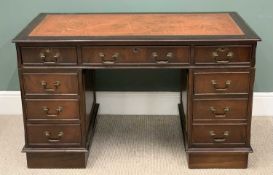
171, 26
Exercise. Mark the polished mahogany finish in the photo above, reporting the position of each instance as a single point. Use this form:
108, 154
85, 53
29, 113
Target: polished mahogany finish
50, 83
135, 55
57, 134
211, 135
219, 110
58, 55
240, 54
51, 109
219, 82
49, 56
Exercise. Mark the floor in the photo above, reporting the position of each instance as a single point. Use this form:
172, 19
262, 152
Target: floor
143, 145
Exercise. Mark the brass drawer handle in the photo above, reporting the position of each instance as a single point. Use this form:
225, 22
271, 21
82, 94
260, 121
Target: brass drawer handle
219, 139
219, 115
48, 57
222, 55
109, 61
217, 88
47, 89
54, 139
58, 111
169, 55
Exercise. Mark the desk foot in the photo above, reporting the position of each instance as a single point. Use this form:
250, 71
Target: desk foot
60, 159
217, 160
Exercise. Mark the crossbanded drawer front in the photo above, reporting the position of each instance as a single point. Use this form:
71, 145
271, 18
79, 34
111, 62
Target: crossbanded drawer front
50, 83
53, 134
135, 55
223, 54
49, 55
220, 109
210, 83
219, 135
52, 109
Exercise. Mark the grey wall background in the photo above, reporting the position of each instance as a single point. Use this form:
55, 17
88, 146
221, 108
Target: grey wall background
15, 14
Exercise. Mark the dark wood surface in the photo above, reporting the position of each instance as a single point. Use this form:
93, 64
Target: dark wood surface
52, 109
219, 110
57, 69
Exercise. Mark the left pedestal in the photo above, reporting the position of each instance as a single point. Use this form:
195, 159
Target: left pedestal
60, 110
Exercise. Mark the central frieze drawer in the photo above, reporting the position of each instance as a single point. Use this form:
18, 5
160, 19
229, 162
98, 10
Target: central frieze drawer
49, 134
49, 55
137, 54
209, 83
50, 83
223, 54
51, 109
220, 109
217, 135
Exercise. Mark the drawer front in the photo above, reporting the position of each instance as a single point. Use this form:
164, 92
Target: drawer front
50, 83
52, 109
216, 135
225, 109
134, 55
221, 83
48, 134
49, 56
222, 54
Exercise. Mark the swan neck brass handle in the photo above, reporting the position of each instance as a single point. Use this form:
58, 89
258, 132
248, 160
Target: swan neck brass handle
56, 84
222, 55
58, 110
220, 139
218, 88
49, 57
217, 114
165, 60
54, 139
113, 59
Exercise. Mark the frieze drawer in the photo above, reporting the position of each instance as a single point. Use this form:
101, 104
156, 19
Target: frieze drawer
135, 55
49, 56
223, 54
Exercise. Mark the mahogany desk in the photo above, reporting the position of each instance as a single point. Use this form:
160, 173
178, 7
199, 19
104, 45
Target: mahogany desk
58, 55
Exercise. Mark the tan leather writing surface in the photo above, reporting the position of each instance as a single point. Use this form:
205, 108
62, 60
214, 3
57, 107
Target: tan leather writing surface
136, 25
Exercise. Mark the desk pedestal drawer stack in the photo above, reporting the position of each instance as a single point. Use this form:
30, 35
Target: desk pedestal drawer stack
58, 125
58, 55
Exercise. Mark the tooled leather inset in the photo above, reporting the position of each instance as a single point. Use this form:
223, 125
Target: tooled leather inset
136, 25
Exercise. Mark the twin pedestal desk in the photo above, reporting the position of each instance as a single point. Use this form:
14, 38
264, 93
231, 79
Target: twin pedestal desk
58, 55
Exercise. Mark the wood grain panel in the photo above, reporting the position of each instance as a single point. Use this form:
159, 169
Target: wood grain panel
220, 109
206, 83
53, 134
54, 83
47, 109
49, 55
218, 135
